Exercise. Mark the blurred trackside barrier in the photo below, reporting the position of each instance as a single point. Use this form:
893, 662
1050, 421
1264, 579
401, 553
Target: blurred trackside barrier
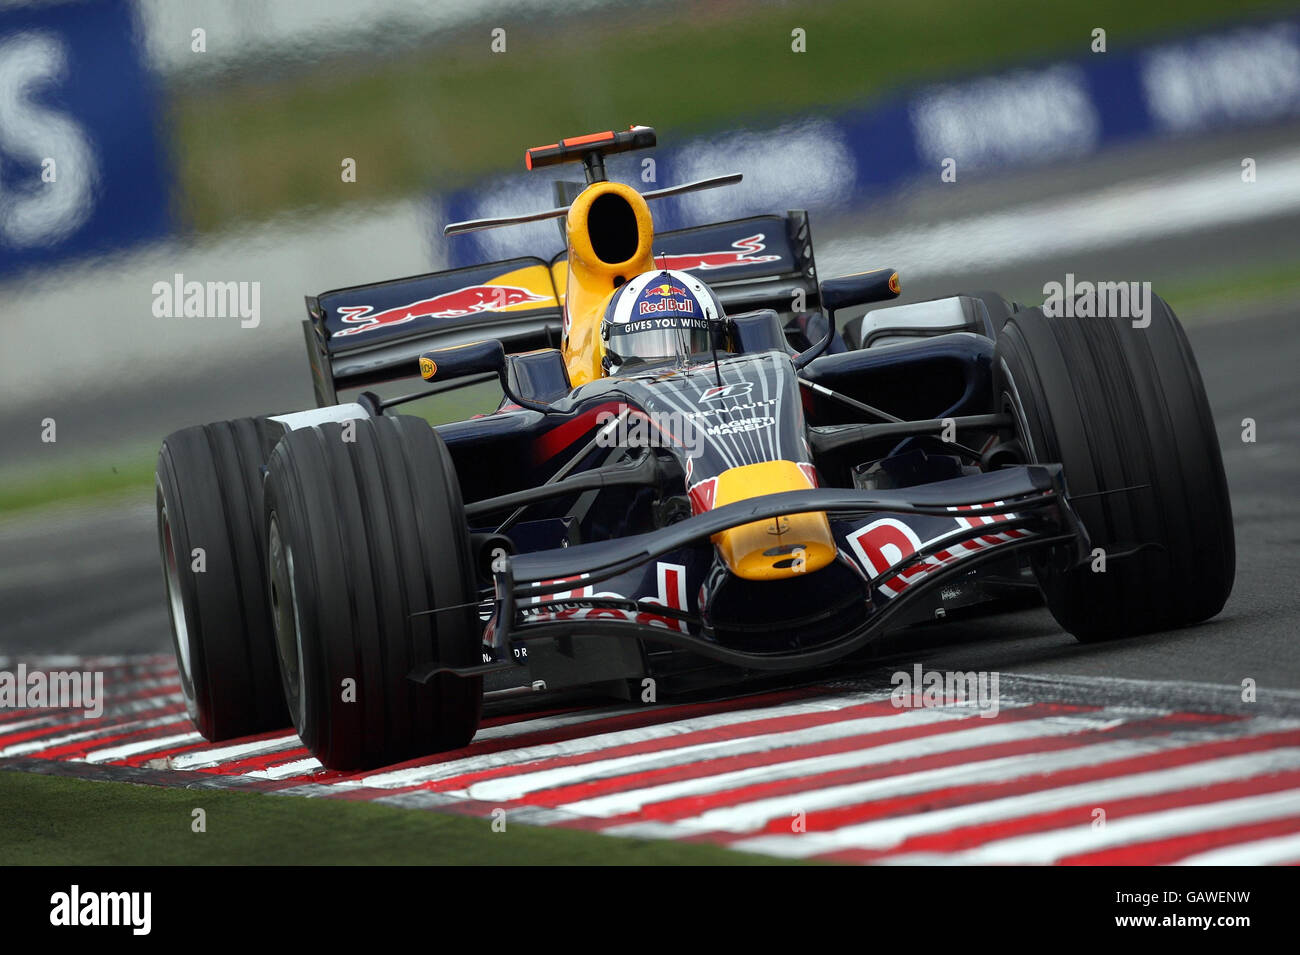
83, 169
82, 166
1050, 111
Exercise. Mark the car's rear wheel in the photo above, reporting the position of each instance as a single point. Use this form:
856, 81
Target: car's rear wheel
371, 578
1124, 411
208, 493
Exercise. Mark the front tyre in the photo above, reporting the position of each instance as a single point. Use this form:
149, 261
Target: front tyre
366, 534
1124, 411
208, 493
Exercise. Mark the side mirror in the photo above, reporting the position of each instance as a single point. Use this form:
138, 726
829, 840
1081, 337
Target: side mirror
476, 358
878, 285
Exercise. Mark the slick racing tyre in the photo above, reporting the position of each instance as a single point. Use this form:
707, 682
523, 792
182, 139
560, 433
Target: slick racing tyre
999, 308
366, 534
209, 505
1124, 411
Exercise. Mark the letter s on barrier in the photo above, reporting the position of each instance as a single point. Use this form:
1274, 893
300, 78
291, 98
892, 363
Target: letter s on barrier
47, 212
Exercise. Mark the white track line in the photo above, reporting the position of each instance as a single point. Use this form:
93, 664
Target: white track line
1276, 851
9, 729
559, 721
619, 803
50, 742
748, 816
299, 767
209, 758
302, 767
134, 749
1047, 847
206, 758
59, 719
601, 741
516, 787
890, 832
116, 698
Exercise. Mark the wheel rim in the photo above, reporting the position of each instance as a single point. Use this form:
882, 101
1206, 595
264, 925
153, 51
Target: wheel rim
1011, 402
176, 608
288, 628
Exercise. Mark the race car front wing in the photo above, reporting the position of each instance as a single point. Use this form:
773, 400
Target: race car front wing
1032, 502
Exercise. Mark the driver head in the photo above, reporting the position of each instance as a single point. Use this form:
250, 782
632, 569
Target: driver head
656, 316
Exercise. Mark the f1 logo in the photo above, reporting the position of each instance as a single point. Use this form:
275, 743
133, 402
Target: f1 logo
718, 392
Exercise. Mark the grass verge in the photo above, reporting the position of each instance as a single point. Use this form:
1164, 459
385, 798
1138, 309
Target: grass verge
1202, 295
51, 820
50, 485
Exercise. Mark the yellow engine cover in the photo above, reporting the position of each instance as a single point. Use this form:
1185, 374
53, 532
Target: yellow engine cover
589, 280
780, 547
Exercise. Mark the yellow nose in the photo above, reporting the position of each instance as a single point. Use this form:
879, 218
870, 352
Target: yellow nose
780, 547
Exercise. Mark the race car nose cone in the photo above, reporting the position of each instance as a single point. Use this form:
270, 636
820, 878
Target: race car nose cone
780, 547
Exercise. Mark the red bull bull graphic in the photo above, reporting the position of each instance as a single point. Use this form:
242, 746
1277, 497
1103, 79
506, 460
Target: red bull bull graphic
666, 290
743, 252
466, 301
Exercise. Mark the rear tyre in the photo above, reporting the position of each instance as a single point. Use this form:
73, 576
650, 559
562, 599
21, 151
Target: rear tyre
1124, 411
364, 536
209, 508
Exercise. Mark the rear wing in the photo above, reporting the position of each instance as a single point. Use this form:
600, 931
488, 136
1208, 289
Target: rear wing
368, 334
758, 262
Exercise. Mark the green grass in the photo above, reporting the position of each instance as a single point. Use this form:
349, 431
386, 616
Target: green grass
51, 484
445, 408
51, 820
1201, 294
444, 115
131, 472
1235, 289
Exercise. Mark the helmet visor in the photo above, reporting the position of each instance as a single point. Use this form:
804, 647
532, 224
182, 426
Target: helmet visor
665, 336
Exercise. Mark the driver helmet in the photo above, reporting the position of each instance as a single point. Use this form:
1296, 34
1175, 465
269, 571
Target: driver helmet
658, 315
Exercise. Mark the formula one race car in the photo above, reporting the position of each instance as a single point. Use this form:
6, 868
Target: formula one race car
683, 482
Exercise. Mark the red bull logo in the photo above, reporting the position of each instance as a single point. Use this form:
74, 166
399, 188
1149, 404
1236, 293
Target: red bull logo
886, 542
743, 252
669, 305
665, 290
578, 602
465, 301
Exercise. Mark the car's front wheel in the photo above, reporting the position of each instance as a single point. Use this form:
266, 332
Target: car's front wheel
370, 579
1122, 408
